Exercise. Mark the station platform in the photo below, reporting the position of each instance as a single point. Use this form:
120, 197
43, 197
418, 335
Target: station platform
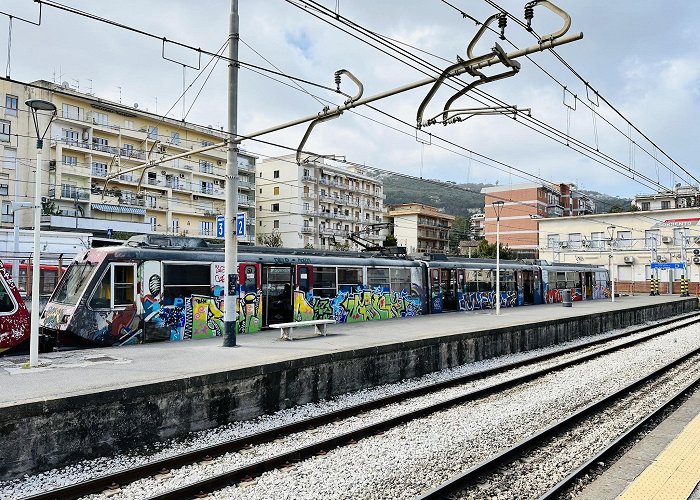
664, 465
81, 404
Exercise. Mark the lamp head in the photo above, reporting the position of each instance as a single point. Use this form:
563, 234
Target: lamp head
40, 105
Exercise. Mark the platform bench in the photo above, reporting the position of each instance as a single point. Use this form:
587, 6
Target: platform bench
286, 329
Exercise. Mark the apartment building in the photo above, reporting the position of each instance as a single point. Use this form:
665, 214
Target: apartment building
524, 205
421, 228
318, 203
679, 197
90, 139
628, 243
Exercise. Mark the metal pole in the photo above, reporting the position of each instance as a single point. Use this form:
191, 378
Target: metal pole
498, 265
230, 239
612, 276
36, 262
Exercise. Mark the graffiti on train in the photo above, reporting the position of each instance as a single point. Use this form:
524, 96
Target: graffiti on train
471, 301
355, 306
554, 296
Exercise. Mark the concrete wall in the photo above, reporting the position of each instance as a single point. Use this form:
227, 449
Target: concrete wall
42, 435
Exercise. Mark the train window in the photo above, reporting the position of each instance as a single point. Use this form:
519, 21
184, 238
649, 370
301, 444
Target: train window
325, 282
471, 284
350, 278
400, 279
250, 281
74, 282
102, 296
48, 281
303, 279
508, 281
485, 281
378, 277
184, 280
7, 305
124, 280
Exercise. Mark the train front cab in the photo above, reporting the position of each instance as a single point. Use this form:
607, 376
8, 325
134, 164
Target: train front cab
14, 316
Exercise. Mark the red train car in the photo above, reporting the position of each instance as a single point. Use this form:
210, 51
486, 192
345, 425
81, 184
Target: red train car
14, 316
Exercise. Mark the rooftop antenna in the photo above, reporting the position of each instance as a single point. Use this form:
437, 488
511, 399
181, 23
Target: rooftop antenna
156, 99
120, 94
89, 91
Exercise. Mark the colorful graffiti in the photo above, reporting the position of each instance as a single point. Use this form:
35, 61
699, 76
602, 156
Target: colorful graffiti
601, 292
356, 306
487, 300
554, 296
250, 312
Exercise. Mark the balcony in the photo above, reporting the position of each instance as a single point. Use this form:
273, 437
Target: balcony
75, 193
132, 201
245, 184
245, 167
307, 178
91, 224
555, 211
307, 230
155, 182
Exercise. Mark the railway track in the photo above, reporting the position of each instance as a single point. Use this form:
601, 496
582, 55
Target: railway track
118, 479
457, 486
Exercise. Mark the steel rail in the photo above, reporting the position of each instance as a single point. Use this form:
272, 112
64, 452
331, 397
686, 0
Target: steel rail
492, 464
619, 442
123, 477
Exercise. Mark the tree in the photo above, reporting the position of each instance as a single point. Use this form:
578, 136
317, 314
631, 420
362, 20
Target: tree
270, 240
461, 230
48, 207
390, 241
487, 250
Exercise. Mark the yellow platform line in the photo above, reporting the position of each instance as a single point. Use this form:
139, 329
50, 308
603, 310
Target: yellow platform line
674, 473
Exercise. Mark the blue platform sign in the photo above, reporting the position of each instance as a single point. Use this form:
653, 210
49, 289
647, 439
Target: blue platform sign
667, 265
240, 225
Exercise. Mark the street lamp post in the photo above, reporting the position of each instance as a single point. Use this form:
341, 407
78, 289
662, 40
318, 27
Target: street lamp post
36, 105
498, 207
611, 231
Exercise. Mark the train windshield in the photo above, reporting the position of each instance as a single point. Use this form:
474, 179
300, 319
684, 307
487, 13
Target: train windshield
73, 284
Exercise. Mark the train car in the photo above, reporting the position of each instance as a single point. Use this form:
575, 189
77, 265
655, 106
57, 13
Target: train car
14, 316
48, 277
462, 284
584, 281
158, 287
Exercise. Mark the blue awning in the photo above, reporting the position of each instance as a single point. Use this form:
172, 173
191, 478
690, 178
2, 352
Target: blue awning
118, 209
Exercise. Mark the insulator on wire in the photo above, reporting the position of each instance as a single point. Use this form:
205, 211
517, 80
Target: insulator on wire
529, 14
337, 80
502, 22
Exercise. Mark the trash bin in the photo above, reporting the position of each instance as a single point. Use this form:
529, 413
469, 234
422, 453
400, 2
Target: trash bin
566, 298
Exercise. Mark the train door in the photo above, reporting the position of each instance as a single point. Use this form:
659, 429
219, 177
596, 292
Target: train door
448, 289
435, 291
528, 286
277, 286
588, 285
537, 286
250, 307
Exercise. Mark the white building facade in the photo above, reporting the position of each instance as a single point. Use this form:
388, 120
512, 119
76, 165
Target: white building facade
318, 203
628, 243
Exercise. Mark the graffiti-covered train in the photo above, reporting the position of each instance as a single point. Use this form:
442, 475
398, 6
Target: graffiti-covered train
171, 288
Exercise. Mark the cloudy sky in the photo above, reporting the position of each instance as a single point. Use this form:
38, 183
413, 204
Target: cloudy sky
642, 56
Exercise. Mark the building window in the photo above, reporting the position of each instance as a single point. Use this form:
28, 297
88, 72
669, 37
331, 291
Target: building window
154, 223
7, 215
10, 159
678, 237
175, 225
153, 132
665, 205
306, 206
4, 188
275, 207
100, 118
206, 143
276, 190
206, 167
651, 238
597, 239
205, 228
71, 136
276, 174
175, 138
4, 131
10, 105
645, 205
306, 172
99, 169
69, 160
575, 240
276, 224
71, 112
129, 124
624, 239
553, 241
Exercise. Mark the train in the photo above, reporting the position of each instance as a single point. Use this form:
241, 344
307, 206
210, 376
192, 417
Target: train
156, 287
14, 315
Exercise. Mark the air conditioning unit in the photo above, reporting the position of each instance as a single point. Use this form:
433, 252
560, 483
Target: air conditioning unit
660, 258
86, 135
563, 244
696, 260
629, 259
666, 239
195, 197
182, 176
218, 162
586, 243
162, 172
